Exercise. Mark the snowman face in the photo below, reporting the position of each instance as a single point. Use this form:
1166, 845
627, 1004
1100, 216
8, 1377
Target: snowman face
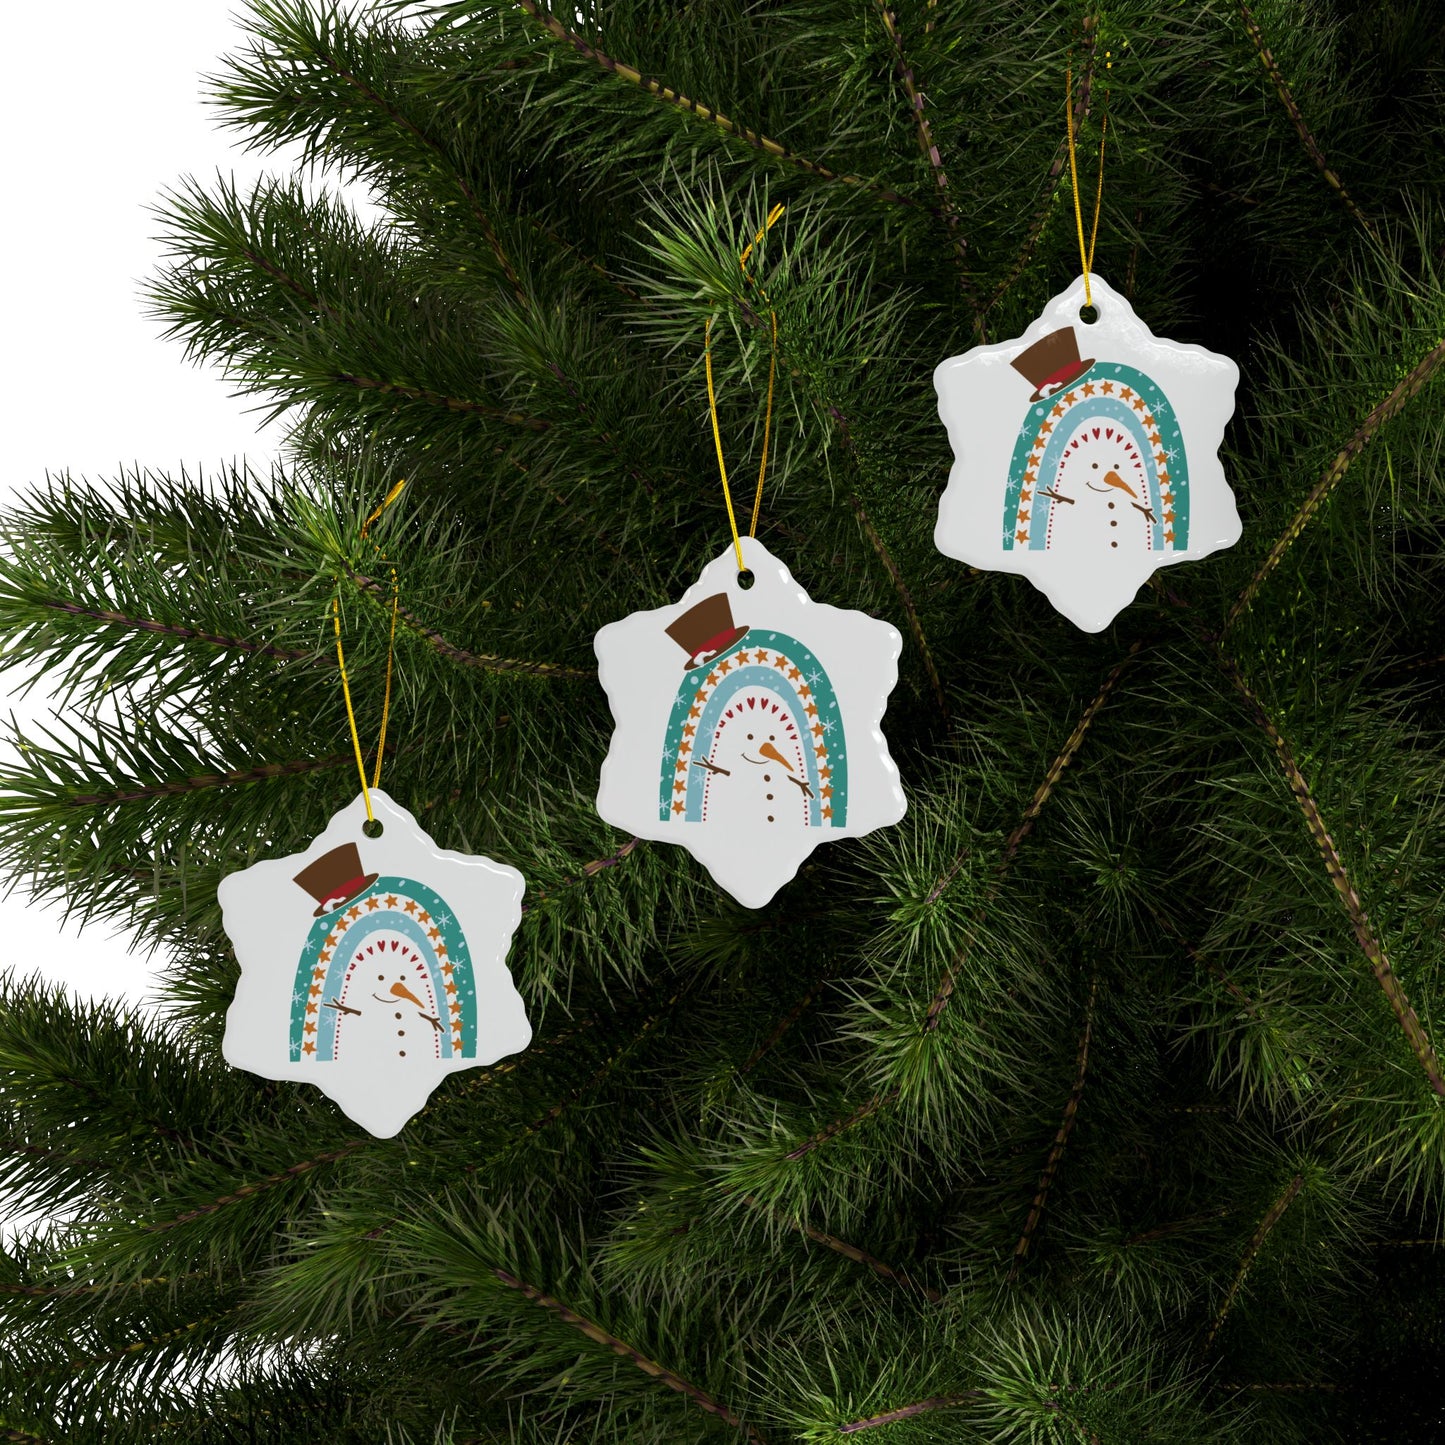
766, 776
1101, 494
396, 1018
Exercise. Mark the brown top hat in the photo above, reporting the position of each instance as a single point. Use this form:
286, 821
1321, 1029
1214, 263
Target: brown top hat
705, 630
1052, 362
335, 878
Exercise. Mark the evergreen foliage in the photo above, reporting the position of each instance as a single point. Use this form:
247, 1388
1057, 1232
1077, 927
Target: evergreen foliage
1098, 1101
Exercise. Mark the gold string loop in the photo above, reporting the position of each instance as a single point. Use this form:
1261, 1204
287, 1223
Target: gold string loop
1086, 254
390, 497
773, 215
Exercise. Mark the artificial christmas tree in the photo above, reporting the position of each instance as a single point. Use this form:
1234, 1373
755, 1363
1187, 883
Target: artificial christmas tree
1099, 1098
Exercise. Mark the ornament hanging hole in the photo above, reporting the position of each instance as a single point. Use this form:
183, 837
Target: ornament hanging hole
1088, 314
373, 828
746, 579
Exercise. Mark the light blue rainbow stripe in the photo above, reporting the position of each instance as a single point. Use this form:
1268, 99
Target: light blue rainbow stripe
354, 936
1107, 411
713, 698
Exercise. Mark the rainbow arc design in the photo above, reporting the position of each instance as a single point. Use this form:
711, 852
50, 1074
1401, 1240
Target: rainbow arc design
1111, 394
407, 924
792, 675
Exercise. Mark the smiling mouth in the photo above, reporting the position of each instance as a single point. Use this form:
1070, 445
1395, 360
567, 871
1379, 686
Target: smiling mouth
1093, 488
756, 762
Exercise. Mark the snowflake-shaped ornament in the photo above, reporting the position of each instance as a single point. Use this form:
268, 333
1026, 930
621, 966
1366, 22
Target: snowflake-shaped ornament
1107, 471
373, 967
748, 724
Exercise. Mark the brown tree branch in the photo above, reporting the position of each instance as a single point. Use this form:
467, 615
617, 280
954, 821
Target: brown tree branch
1083, 100
436, 398
478, 213
263, 773
487, 662
1291, 106
171, 629
1041, 796
269, 1182
660, 1373
915, 626
1364, 932
910, 1412
1011, 844
1061, 1138
929, 147
1409, 387
1272, 1216
558, 31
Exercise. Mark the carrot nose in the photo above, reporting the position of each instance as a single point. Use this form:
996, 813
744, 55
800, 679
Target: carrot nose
1115, 480
769, 751
400, 990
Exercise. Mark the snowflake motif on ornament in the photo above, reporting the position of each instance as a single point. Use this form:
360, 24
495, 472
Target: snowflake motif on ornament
380, 1001
1111, 472
765, 745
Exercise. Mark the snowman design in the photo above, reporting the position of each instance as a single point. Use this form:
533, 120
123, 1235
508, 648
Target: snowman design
385, 975
1099, 482
755, 735
396, 984
1100, 470
1099, 466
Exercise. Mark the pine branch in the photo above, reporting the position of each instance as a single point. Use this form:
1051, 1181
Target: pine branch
1410, 386
1061, 1139
929, 147
1083, 100
1025, 825
839, 1126
911, 1412
861, 1256
1272, 1217
487, 662
62, 1291
1176, 1226
895, 574
589, 870
1291, 106
1364, 932
190, 634
265, 772
247, 1191
915, 626
655, 88
448, 403
660, 1373
946, 984
152, 1342
403, 121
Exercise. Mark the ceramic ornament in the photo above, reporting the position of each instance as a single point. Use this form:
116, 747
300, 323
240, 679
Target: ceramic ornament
1086, 455
373, 967
748, 724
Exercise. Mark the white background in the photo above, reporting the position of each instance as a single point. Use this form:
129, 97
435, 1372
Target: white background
89, 385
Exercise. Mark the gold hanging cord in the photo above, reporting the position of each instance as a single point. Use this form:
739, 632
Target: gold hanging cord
390, 497
767, 416
1086, 253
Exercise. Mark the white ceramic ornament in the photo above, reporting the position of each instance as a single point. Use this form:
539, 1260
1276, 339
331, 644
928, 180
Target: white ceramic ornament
1107, 471
373, 967
748, 724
